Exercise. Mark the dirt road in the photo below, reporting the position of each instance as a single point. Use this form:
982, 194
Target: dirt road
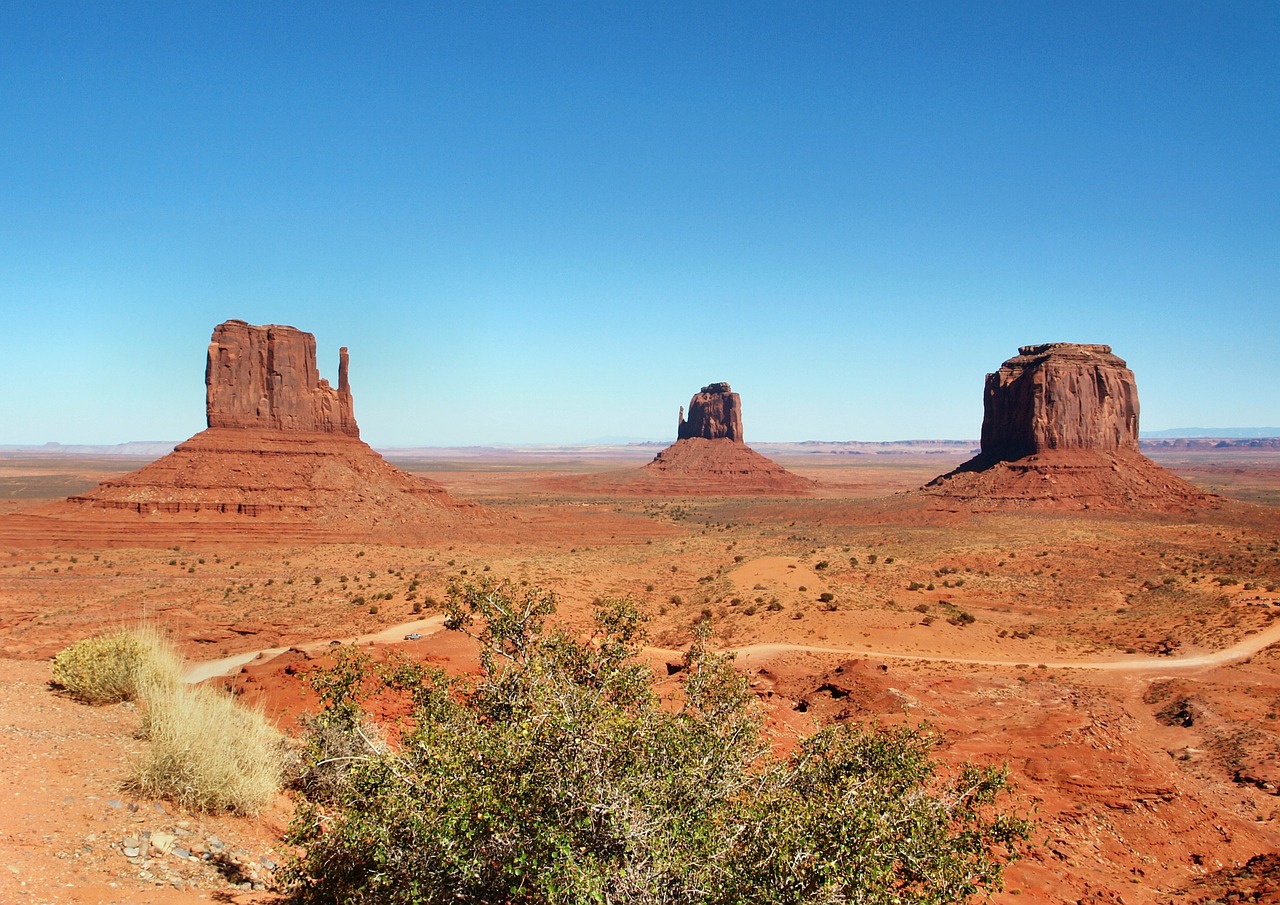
755, 653
1241, 650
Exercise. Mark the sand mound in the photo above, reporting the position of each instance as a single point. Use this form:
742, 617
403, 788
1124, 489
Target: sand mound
696, 467
226, 485
1067, 479
324, 478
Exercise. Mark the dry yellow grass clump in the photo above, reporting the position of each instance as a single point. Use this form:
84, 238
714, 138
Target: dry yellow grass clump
207, 752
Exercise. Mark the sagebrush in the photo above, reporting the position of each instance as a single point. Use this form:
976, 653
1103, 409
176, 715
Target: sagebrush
560, 777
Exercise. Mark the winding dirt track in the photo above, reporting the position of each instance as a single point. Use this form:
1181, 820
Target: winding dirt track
211, 669
1241, 650
755, 653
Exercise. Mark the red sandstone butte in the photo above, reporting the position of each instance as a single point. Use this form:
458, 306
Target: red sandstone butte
1059, 396
710, 458
282, 446
715, 413
1060, 430
265, 378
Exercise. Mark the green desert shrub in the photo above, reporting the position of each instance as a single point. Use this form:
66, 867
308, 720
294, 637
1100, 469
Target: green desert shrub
341, 735
560, 776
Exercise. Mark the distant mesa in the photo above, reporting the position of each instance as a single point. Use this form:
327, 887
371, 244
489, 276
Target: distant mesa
282, 445
709, 456
1060, 429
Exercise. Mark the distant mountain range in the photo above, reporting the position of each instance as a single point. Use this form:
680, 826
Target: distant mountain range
1222, 433
153, 448
157, 448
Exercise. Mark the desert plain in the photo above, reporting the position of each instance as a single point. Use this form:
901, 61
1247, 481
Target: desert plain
1123, 664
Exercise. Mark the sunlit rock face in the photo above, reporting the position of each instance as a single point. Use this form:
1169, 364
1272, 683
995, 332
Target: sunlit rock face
1059, 396
715, 413
1060, 431
282, 446
265, 378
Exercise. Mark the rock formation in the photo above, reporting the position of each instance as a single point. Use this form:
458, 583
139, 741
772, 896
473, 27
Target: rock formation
1060, 429
709, 457
715, 413
700, 467
1058, 396
266, 378
282, 446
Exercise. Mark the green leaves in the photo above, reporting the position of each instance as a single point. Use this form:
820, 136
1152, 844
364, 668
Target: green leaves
859, 814
559, 777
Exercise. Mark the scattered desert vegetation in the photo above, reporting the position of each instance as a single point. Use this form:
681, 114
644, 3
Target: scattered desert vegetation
1125, 787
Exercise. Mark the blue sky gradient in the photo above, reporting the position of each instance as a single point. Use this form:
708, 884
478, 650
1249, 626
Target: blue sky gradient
554, 222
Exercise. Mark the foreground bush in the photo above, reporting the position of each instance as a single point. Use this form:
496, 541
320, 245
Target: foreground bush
559, 777
206, 751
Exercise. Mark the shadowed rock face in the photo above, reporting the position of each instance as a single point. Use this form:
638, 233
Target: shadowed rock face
1059, 396
715, 413
265, 378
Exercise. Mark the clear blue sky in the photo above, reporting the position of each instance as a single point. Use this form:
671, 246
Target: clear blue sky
553, 222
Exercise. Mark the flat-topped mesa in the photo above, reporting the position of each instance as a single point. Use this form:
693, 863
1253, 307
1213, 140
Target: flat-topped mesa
1060, 431
1059, 396
715, 413
265, 378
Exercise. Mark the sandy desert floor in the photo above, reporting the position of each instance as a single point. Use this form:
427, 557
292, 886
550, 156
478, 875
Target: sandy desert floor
1123, 667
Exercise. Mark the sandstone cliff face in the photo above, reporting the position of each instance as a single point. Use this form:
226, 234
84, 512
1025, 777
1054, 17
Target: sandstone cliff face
715, 413
1059, 396
265, 378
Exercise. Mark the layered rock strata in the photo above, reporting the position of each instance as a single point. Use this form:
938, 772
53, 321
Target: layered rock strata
1060, 430
1059, 396
307, 474
701, 467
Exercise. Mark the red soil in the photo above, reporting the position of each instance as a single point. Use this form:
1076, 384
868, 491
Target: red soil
1131, 802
